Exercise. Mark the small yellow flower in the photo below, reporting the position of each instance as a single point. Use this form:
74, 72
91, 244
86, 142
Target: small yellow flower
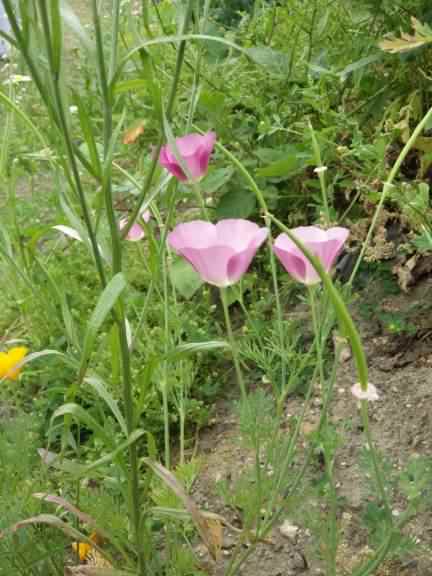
83, 549
88, 554
9, 361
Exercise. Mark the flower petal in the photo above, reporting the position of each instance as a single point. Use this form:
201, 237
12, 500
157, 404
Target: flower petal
135, 234
220, 253
324, 244
10, 360
68, 231
195, 234
195, 151
370, 394
210, 263
240, 262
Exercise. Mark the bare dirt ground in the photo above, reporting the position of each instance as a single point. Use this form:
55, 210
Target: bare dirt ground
400, 368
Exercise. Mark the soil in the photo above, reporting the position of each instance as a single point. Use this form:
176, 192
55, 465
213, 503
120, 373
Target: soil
401, 422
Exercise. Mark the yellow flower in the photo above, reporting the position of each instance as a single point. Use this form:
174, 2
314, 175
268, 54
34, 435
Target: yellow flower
82, 548
9, 361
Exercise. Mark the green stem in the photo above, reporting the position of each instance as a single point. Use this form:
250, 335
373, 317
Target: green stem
134, 490
233, 345
165, 370
64, 127
387, 187
237, 563
340, 308
168, 112
364, 411
317, 332
321, 173
166, 308
311, 32
263, 205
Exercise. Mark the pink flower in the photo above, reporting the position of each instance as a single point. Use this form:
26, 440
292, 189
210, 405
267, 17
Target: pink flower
146, 216
324, 244
370, 393
195, 151
221, 253
135, 234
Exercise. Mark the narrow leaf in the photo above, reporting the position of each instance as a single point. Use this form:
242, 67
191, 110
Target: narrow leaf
104, 306
99, 386
211, 536
83, 417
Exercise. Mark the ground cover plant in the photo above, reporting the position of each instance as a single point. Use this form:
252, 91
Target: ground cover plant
215, 208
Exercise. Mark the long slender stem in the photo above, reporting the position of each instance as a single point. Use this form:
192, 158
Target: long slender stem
317, 331
327, 390
338, 304
388, 186
134, 490
168, 112
233, 345
263, 205
166, 308
63, 124
320, 169
364, 411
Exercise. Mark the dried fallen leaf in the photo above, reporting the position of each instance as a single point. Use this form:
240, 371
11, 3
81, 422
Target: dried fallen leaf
422, 35
132, 134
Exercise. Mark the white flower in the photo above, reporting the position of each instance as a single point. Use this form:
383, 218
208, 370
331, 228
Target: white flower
320, 169
371, 393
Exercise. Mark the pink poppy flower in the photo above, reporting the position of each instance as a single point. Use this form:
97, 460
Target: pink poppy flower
135, 234
221, 253
324, 244
370, 393
195, 151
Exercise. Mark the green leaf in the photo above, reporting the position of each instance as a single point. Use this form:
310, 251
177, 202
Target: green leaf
106, 303
109, 457
354, 66
216, 179
195, 347
212, 102
93, 152
56, 35
99, 386
273, 61
281, 168
237, 203
132, 85
184, 278
81, 415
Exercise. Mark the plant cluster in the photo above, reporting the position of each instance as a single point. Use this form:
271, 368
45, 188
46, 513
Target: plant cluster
197, 145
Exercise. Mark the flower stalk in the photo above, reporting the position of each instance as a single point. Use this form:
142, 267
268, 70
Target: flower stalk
233, 344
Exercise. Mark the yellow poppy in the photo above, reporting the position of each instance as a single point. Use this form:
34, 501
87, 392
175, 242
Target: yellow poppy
82, 548
86, 552
9, 361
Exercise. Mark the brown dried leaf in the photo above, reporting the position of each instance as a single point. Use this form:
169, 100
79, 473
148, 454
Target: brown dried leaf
422, 35
132, 134
100, 534
93, 571
404, 272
